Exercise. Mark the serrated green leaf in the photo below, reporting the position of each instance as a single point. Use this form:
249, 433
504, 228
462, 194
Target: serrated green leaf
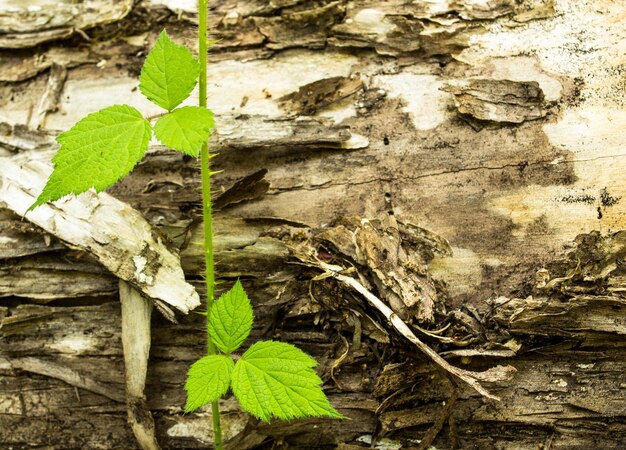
208, 379
185, 129
169, 73
275, 379
96, 152
231, 319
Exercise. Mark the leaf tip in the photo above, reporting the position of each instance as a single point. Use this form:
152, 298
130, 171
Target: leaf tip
189, 408
334, 414
31, 207
42, 199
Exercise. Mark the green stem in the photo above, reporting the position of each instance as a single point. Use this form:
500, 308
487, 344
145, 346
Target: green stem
206, 204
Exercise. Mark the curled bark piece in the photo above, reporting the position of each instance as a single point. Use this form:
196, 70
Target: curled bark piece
116, 234
498, 373
311, 97
25, 25
398, 266
499, 100
136, 312
248, 188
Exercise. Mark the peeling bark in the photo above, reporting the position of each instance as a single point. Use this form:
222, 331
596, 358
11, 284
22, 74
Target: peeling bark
499, 100
26, 27
95, 223
136, 313
490, 131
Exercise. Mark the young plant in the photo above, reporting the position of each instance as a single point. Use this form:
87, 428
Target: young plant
271, 379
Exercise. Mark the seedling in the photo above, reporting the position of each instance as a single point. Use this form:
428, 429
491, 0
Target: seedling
271, 379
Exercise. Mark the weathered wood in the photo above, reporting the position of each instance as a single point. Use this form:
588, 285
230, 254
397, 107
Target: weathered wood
565, 385
54, 274
87, 342
494, 124
117, 235
28, 24
136, 314
499, 100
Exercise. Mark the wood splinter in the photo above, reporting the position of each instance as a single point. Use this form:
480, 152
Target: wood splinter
136, 313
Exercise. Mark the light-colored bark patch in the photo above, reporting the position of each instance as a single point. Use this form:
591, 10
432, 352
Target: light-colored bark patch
426, 104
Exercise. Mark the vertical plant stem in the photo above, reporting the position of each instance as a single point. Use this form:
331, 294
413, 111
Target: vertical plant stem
206, 204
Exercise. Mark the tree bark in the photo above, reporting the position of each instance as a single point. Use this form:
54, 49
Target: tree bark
462, 162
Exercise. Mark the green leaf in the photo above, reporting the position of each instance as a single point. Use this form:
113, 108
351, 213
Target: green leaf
96, 152
208, 380
185, 129
169, 73
275, 379
231, 318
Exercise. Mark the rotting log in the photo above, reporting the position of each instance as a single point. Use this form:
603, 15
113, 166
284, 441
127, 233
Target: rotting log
496, 125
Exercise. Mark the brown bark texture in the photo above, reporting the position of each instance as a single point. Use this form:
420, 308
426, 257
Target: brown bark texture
425, 196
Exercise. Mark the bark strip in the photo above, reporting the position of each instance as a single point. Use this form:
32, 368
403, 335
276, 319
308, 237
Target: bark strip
115, 233
136, 313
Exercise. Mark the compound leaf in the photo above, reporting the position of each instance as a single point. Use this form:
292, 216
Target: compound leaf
169, 73
231, 319
276, 379
208, 379
185, 129
96, 152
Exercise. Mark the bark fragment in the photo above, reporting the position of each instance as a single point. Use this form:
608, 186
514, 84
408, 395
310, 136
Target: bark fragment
312, 97
244, 132
22, 26
300, 27
50, 100
248, 188
399, 272
136, 337
499, 100
95, 223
